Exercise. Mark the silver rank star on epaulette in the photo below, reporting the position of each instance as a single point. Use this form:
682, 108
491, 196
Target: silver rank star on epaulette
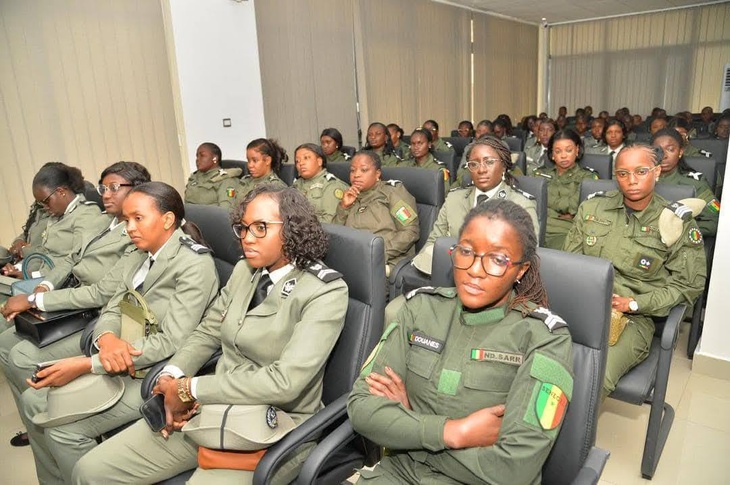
347, 156
552, 321
546, 175
694, 175
448, 144
429, 290
439, 162
330, 176
393, 182
705, 153
527, 195
600, 193
590, 169
680, 210
195, 247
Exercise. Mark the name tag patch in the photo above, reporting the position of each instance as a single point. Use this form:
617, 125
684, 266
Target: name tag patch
495, 356
420, 339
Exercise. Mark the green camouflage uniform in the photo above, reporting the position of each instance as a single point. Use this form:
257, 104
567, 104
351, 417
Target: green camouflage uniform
563, 198
454, 363
214, 187
656, 276
324, 191
708, 219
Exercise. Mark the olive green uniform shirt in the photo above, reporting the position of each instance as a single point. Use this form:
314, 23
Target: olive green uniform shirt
338, 156
247, 184
692, 151
214, 187
324, 191
37, 227
563, 198
386, 210
390, 160
441, 146
454, 363
430, 163
535, 158
707, 220
404, 151
276, 352
594, 146
452, 214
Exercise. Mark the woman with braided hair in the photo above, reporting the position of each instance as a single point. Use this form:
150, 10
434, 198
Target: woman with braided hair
456, 389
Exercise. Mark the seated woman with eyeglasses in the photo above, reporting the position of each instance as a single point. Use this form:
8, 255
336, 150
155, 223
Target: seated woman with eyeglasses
565, 149
59, 189
211, 184
85, 279
658, 262
490, 165
386, 209
176, 276
264, 158
470, 384
291, 313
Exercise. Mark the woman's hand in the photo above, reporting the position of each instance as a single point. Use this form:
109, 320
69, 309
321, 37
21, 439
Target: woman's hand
621, 303
390, 387
16, 249
61, 373
480, 428
349, 197
15, 304
177, 413
566, 217
116, 354
12, 271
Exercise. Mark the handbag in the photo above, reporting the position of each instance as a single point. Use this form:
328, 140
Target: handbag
138, 321
618, 325
45, 328
28, 284
232, 460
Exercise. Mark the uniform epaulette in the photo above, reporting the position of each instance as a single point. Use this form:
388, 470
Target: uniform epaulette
551, 320
346, 155
226, 174
439, 162
680, 210
89, 202
193, 246
694, 175
453, 189
324, 273
330, 176
590, 169
527, 195
394, 182
541, 174
247, 176
431, 290
448, 144
705, 153
600, 193
398, 157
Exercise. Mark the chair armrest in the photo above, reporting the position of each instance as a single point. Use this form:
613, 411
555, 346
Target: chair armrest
592, 468
671, 327
87, 338
326, 448
150, 379
306, 431
397, 269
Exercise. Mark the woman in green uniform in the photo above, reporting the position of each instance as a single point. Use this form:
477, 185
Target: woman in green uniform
400, 147
264, 158
386, 209
565, 149
331, 141
470, 384
380, 143
422, 155
657, 265
538, 153
322, 189
211, 184
177, 278
278, 360
676, 171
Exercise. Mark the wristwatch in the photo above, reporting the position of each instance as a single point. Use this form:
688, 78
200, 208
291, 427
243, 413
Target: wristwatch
633, 306
31, 299
183, 390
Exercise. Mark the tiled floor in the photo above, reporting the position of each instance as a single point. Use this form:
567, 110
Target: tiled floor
697, 451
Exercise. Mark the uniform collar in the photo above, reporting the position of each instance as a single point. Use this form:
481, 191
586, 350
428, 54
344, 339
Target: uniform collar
72, 205
485, 317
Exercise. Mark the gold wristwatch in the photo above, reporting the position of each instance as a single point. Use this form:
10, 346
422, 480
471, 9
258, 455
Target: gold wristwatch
183, 390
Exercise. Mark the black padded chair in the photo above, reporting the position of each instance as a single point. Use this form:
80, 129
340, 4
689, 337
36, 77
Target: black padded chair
521, 161
642, 137
718, 149
341, 170
580, 290
406, 139
514, 143
362, 330
602, 164
91, 194
242, 164
451, 161
459, 143
287, 173
348, 150
647, 382
708, 167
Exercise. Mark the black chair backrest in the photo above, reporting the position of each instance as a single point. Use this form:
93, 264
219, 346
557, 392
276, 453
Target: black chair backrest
600, 163
718, 149
91, 194
521, 161
708, 167
537, 187
215, 224
579, 289
348, 150
427, 187
406, 139
341, 170
518, 133
236, 164
642, 137
451, 161
670, 192
366, 308
459, 143
287, 173
515, 144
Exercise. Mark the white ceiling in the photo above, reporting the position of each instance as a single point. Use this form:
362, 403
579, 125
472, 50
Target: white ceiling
555, 11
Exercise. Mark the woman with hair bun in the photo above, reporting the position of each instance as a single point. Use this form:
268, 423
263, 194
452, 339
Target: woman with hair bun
264, 158
211, 184
331, 142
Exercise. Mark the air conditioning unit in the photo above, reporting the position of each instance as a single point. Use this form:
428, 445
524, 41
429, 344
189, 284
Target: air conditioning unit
725, 90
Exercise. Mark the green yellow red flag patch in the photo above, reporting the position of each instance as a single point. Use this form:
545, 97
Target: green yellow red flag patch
550, 406
714, 206
230, 193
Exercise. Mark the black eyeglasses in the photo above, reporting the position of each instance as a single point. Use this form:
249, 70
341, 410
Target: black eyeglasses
45, 201
256, 228
495, 265
113, 187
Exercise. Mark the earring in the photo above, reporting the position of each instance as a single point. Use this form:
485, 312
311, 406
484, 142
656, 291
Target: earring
504, 176
517, 281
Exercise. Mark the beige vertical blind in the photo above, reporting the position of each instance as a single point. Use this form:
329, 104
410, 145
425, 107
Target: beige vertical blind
307, 69
505, 68
84, 82
415, 62
671, 59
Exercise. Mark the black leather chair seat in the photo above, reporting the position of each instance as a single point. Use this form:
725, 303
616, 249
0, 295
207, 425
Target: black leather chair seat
636, 386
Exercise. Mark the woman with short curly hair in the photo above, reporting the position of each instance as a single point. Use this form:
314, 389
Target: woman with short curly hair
276, 320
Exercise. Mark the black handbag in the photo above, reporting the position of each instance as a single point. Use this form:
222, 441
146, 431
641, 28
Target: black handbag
45, 328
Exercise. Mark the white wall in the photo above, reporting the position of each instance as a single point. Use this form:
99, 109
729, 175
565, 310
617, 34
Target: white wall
217, 60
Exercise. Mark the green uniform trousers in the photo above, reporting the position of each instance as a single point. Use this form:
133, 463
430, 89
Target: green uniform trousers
137, 455
400, 468
57, 449
630, 350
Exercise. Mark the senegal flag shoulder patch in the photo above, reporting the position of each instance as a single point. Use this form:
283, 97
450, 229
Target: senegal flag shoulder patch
403, 213
230, 193
550, 406
551, 394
